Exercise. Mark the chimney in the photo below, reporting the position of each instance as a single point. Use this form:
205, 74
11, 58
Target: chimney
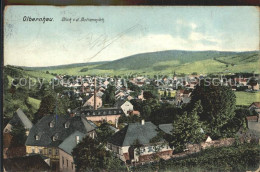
82, 85
95, 95
77, 139
116, 123
143, 122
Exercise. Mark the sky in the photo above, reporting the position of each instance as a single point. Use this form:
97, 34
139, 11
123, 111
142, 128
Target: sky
123, 31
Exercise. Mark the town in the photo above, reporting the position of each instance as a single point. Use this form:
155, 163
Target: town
129, 123
130, 88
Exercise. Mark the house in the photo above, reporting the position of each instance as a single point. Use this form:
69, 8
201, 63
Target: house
254, 87
65, 151
126, 106
90, 101
122, 143
241, 81
48, 133
255, 108
19, 118
27, 163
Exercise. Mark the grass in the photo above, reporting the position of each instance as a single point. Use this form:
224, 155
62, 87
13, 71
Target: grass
35, 103
247, 98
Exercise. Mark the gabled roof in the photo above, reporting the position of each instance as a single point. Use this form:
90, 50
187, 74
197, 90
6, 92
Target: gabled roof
20, 117
134, 131
70, 142
256, 104
119, 102
45, 133
167, 128
26, 163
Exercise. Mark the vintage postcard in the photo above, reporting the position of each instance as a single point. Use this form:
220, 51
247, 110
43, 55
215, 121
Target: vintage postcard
131, 88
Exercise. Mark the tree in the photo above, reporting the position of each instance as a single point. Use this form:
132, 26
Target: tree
146, 112
19, 135
104, 132
187, 129
252, 82
109, 95
233, 125
89, 155
129, 119
218, 103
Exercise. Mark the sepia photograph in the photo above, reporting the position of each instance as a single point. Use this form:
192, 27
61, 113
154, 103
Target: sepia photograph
131, 88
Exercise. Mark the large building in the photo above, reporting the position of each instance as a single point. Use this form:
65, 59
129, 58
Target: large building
110, 115
51, 131
123, 143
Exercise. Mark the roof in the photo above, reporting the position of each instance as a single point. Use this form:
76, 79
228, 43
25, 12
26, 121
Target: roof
25, 163
167, 128
134, 131
70, 142
256, 104
20, 117
46, 133
252, 118
99, 112
119, 102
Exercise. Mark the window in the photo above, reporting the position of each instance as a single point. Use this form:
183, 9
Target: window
52, 124
72, 165
37, 137
62, 160
50, 151
67, 163
40, 151
57, 152
150, 149
33, 150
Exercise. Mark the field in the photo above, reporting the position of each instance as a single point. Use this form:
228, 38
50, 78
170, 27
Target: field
247, 98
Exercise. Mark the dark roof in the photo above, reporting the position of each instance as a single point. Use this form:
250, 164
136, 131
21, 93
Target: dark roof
134, 131
70, 142
88, 97
167, 128
119, 103
26, 163
46, 133
99, 112
20, 118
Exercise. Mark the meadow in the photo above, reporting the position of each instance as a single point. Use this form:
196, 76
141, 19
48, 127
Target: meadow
247, 98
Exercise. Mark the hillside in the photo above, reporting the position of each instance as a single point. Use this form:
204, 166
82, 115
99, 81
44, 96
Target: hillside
166, 62
67, 66
175, 57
